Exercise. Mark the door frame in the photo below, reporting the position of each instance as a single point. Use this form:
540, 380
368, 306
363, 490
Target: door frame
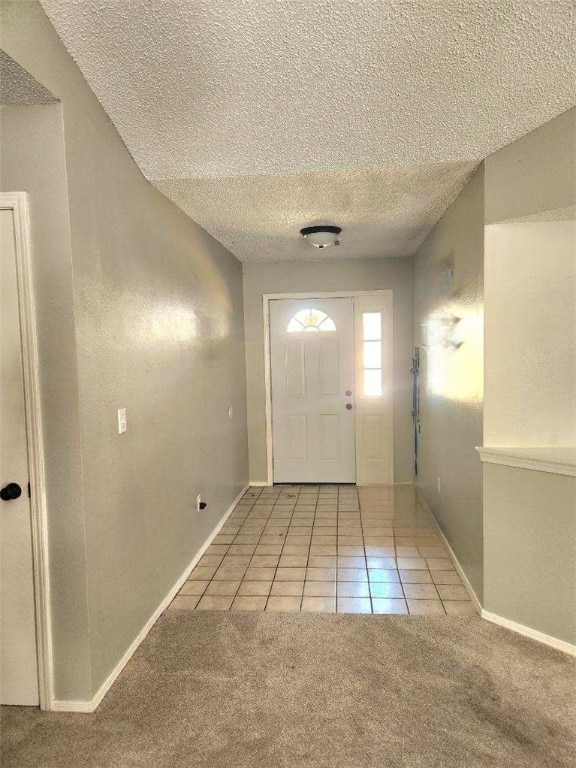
18, 203
266, 299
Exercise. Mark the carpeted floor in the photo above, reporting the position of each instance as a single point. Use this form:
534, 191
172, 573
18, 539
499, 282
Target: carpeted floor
273, 690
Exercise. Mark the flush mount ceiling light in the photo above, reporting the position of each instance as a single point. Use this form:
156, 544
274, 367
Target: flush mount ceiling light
321, 236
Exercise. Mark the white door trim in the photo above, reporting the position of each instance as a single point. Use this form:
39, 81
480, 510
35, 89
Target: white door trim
18, 203
266, 299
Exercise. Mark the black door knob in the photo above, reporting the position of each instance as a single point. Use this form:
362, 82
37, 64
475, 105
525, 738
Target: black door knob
11, 491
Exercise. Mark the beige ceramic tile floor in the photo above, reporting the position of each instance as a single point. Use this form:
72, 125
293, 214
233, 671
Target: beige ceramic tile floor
327, 548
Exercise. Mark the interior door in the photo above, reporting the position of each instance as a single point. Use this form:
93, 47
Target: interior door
18, 654
312, 373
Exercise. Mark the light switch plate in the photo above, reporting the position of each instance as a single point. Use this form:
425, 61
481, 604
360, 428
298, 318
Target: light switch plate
122, 422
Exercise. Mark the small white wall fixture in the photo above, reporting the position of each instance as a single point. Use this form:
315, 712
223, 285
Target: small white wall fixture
373, 412
18, 203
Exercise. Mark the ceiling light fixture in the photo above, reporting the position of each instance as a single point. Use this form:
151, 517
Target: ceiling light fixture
321, 236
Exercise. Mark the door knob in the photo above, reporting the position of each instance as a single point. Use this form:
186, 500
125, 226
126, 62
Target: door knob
10, 491
349, 406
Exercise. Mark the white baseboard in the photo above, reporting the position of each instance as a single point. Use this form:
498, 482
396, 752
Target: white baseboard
377, 485
62, 705
266, 484
465, 581
90, 706
533, 634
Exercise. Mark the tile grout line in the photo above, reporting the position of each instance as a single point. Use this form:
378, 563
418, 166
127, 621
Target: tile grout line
309, 548
243, 522
365, 554
397, 565
242, 578
238, 534
283, 544
281, 550
415, 531
255, 548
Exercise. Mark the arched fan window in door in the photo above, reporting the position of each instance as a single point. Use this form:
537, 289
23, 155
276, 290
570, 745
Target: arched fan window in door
310, 320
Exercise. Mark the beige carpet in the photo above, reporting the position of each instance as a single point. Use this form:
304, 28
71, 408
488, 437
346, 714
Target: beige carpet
278, 690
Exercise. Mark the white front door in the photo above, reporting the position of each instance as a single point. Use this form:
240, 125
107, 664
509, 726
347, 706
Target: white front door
18, 656
312, 372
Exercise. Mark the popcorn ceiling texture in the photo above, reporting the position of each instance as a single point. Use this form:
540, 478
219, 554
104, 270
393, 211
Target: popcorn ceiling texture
382, 211
229, 89
19, 87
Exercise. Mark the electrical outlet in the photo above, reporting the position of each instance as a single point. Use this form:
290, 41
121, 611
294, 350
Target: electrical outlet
439, 484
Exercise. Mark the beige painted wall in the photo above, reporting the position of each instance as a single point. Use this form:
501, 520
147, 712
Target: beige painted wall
530, 398
530, 549
32, 159
157, 305
328, 275
535, 173
448, 317
530, 281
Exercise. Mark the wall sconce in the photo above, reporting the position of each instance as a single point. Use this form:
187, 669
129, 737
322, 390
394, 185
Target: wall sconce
445, 331
455, 336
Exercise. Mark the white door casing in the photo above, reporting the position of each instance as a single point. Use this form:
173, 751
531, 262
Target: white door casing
374, 388
374, 413
311, 372
18, 648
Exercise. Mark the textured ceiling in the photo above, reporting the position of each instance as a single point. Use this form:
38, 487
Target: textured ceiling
382, 211
19, 87
314, 99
